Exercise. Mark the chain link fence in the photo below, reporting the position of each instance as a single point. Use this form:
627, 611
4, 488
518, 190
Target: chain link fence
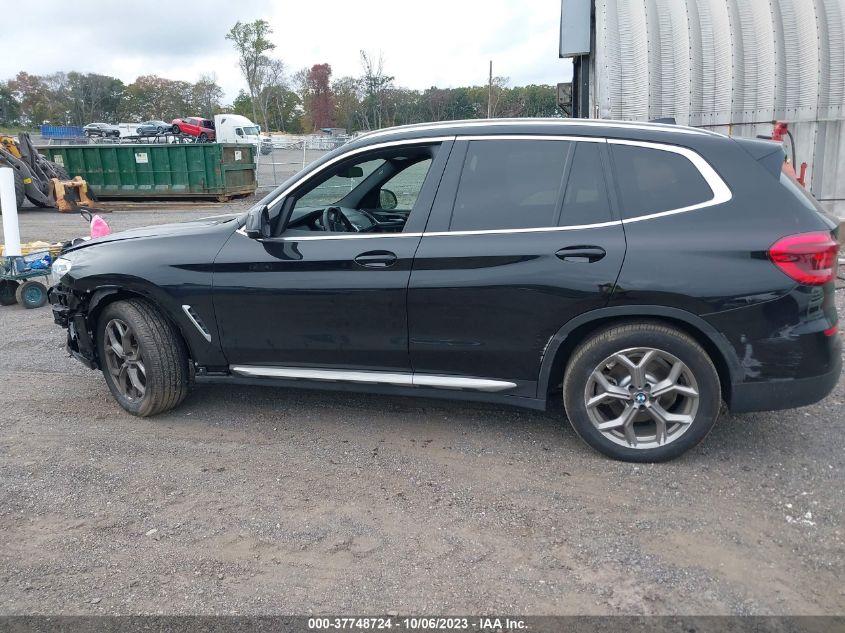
290, 154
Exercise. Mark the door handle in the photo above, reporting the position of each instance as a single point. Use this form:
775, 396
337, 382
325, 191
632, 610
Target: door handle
584, 254
376, 259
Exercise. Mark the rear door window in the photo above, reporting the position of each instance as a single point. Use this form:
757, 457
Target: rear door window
653, 180
585, 201
510, 184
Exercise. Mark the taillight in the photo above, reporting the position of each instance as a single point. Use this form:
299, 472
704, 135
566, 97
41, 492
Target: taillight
808, 258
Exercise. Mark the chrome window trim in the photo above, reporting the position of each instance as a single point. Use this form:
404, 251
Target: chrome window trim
541, 229
401, 379
360, 150
721, 191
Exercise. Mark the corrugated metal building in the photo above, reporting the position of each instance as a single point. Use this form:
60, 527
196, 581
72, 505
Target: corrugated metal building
734, 66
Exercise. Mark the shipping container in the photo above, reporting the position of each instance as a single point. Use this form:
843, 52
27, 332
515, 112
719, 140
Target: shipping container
61, 131
194, 170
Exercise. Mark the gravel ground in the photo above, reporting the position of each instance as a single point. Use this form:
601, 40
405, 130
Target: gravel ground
258, 500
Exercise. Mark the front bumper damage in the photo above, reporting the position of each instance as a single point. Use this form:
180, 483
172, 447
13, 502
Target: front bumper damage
70, 312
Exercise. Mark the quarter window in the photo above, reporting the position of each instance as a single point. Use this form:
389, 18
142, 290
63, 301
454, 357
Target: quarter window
509, 184
653, 180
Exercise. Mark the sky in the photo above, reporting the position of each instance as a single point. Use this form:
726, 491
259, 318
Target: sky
445, 43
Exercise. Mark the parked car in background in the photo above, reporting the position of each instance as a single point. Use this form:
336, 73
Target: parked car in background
102, 130
642, 274
201, 129
152, 128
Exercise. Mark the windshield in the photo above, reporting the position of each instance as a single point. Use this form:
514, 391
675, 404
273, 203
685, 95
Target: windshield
251, 131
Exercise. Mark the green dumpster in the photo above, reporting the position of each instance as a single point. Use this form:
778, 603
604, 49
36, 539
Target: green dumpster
186, 170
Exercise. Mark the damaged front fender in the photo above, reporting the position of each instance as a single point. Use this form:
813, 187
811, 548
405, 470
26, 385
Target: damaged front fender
71, 312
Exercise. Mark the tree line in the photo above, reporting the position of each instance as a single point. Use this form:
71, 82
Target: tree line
311, 99
75, 98
305, 101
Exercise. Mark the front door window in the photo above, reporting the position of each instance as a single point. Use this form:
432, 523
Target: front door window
374, 193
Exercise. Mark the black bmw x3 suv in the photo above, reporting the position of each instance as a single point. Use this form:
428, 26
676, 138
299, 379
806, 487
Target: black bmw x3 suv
644, 273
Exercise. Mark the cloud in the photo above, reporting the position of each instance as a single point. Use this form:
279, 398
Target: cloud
437, 42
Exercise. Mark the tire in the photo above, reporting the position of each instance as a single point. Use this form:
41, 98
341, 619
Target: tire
692, 403
160, 130
31, 294
158, 347
20, 189
202, 138
7, 292
176, 129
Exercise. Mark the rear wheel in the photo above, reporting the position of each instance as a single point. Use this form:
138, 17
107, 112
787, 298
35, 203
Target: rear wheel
7, 292
203, 138
642, 392
31, 294
143, 358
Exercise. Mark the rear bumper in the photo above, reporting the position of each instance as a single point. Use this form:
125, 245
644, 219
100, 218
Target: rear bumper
776, 395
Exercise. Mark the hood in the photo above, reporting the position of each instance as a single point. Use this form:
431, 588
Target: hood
192, 227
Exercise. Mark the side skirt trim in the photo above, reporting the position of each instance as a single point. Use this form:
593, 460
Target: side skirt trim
374, 377
455, 395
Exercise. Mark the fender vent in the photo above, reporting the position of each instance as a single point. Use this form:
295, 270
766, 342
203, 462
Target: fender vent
197, 321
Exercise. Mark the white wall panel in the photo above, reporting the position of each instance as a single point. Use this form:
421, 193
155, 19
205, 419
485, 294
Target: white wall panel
735, 65
721, 61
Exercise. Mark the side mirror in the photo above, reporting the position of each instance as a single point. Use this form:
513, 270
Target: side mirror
387, 200
257, 223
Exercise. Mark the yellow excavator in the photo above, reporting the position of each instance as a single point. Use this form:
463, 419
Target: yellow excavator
41, 181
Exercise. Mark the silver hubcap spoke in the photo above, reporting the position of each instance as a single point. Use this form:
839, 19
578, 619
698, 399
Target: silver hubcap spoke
609, 391
642, 398
124, 361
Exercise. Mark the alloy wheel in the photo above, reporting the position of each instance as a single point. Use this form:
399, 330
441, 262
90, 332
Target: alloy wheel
642, 398
124, 361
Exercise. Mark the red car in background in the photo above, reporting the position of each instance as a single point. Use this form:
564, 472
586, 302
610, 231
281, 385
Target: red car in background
202, 129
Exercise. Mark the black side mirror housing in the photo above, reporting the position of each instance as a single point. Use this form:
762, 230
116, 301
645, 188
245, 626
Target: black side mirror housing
257, 223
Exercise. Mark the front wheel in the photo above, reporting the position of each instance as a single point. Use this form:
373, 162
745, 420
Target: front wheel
143, 358
641, 392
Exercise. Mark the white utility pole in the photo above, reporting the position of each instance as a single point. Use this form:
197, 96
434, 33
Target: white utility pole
9, 207
490, 92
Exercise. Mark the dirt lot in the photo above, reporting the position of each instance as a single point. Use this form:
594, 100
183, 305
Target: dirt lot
254, 500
